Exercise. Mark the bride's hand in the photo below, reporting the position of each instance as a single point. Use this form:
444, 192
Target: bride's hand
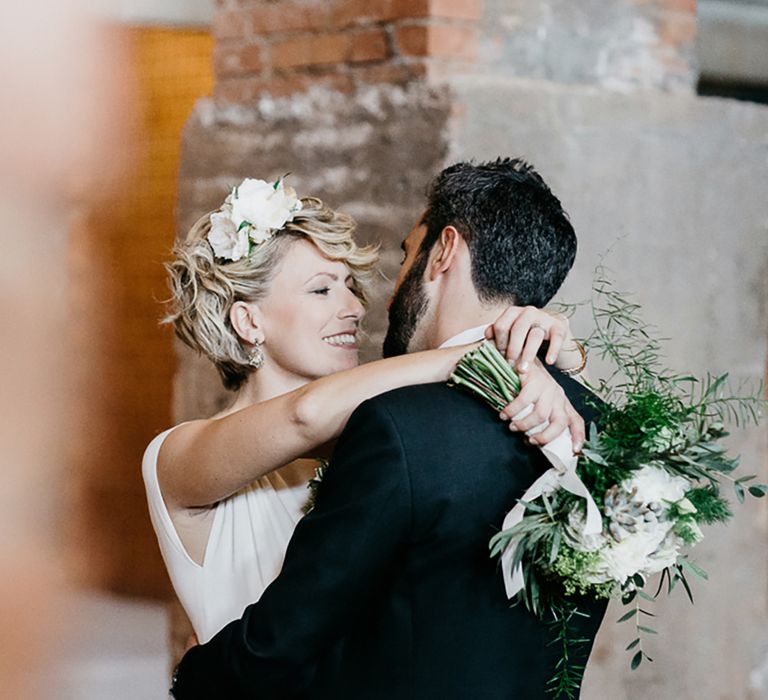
551, 412
520, 330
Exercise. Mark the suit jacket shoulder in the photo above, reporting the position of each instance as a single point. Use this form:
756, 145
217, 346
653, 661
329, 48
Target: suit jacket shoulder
422, 403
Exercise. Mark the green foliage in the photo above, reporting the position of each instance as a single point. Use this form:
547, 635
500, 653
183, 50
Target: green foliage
533, 538
642, 396
646, 414
570, 567
635, 431
650, 414
686, 532
569, 670
710, 506
636, 614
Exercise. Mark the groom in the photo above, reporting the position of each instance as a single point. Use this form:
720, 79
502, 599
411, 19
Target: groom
387, 591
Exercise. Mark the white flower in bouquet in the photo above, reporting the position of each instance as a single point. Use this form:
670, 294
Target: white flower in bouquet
644, 552
227, 242
656, 485
642, 538
263, 207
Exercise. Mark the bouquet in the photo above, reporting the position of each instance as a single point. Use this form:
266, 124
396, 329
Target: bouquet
314, 486
650, 475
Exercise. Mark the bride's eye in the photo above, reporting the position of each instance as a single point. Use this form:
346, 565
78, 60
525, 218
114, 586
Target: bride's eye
323, 291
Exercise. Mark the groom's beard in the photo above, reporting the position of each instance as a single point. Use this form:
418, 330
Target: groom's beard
408, 307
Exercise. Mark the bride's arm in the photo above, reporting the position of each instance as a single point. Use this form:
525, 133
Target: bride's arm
205, 461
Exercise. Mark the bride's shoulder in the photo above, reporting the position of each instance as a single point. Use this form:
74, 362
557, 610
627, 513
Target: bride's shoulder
177, 439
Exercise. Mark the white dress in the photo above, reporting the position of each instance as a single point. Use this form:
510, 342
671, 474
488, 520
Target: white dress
245, 548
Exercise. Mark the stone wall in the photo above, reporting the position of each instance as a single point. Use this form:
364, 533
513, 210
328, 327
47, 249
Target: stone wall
598, 95
618, 45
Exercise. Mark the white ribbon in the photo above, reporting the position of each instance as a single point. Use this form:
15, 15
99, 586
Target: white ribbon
562, 475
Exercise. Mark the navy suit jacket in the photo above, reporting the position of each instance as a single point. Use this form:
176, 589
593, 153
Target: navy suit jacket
387, 591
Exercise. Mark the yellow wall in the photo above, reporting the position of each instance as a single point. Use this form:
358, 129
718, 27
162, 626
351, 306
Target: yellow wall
127, 360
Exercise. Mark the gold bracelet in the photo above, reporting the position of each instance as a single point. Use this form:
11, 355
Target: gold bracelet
577, 370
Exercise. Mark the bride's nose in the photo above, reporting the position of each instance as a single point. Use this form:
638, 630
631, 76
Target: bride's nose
353, 307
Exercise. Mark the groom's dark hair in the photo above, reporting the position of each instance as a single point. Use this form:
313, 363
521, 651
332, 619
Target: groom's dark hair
520, 240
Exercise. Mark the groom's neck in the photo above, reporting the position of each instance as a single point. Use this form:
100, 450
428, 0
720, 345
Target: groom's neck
450, 320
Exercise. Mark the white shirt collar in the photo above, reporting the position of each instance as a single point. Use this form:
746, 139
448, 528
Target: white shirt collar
472, 335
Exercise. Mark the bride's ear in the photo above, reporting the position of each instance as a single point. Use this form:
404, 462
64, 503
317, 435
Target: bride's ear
246, 320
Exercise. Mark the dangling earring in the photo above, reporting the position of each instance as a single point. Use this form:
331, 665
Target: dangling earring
256, 356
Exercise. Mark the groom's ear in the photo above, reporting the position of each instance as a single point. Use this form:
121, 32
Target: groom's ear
246, 320
444, 252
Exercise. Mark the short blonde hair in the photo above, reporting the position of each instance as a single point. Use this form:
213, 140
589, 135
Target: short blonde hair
203, 288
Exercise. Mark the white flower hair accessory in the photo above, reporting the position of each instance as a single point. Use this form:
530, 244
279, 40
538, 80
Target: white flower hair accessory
252, 213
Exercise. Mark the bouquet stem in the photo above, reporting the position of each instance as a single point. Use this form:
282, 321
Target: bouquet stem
485, 371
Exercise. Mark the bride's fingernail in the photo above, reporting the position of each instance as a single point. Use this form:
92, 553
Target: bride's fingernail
523, 366
577, 447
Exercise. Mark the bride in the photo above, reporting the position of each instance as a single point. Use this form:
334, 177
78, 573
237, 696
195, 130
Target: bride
272, 290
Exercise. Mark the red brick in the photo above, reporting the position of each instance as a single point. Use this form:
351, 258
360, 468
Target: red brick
390, 73
349, 12
285, 84
687, 6
411, 40
245, 90
445, 9
236, 90
457, 9
237, 60
438, 40
287, 17
316, 50
369, 46
230, 25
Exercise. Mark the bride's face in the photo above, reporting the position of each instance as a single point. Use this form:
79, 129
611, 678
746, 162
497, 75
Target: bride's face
310, 316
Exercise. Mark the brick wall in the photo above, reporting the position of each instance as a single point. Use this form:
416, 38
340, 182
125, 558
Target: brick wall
283, 47
280, 47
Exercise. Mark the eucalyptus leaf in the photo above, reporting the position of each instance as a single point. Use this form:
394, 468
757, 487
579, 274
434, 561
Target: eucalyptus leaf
628, 615
693, 568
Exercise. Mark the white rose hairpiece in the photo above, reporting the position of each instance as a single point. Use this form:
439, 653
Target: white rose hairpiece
252, 213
